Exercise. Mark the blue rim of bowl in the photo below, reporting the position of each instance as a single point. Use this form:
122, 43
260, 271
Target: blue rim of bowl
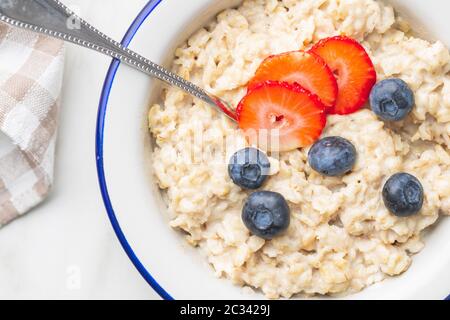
103, 107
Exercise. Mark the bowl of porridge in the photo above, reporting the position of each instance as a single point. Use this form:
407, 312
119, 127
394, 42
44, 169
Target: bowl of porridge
185, 216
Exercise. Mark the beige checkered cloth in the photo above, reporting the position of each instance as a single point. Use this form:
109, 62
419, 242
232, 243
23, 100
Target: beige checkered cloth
31, 68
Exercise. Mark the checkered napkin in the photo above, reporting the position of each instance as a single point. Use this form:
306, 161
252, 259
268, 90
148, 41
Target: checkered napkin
31, 68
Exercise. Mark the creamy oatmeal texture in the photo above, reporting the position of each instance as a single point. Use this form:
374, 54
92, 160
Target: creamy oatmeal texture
341, 238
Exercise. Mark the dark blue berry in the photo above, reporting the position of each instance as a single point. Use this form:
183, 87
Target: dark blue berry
403, 195
392, 99
249, 168
332, 156
266, 214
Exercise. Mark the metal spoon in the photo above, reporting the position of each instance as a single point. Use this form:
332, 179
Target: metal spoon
54, 19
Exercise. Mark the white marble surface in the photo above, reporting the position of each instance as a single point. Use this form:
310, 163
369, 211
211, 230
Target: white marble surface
66, 248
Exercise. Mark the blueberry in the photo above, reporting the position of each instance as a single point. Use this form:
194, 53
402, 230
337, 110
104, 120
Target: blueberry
392, 99
266, 214
403, 195
249, 168
332, 156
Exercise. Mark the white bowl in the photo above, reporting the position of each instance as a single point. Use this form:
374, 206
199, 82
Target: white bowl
133, 202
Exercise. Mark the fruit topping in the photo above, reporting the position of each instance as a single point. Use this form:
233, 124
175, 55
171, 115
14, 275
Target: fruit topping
306, 69
332, 156
403, 195
266, 214
278, 116
249, 168
353, 69
392, 99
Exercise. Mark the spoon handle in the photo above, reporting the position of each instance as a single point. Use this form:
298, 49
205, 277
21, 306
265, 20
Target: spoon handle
53, 18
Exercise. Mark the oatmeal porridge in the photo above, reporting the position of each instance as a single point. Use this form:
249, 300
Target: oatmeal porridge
341, 236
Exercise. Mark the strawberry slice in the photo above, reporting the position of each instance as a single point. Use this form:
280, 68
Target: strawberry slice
278, 116
353, 69
306, 69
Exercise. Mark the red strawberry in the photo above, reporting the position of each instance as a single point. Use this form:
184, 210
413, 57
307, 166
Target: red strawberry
306, 69
353, 69
279, 116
